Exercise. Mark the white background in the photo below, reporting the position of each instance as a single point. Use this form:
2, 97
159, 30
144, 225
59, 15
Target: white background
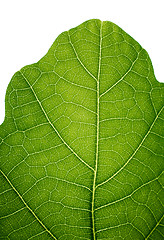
29, 27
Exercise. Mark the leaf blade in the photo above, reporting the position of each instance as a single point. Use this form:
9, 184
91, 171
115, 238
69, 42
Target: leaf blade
67, 135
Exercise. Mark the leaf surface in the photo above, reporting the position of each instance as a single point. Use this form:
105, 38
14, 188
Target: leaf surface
82, 141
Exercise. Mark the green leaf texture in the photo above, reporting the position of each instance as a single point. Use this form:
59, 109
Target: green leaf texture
81, 144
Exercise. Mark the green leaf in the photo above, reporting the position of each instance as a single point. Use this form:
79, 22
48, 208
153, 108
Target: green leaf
81, 145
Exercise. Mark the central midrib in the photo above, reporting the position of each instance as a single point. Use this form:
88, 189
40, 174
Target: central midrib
97, 139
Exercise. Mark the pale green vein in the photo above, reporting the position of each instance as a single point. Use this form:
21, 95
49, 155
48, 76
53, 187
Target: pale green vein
72, 83
81, 106
66, 181
139, 146
154, 228
107, 228
121, 77
25, 227
73, 208
97, 140
120, 225
13, 213
130, 195
38, 234
79, 58
27, 206
53, 125
58, 179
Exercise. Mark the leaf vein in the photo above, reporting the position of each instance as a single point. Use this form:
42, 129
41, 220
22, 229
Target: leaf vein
130, 195
53, 125
149, 130
121, 77
154, 228
79, 58
27, 206
97, 140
